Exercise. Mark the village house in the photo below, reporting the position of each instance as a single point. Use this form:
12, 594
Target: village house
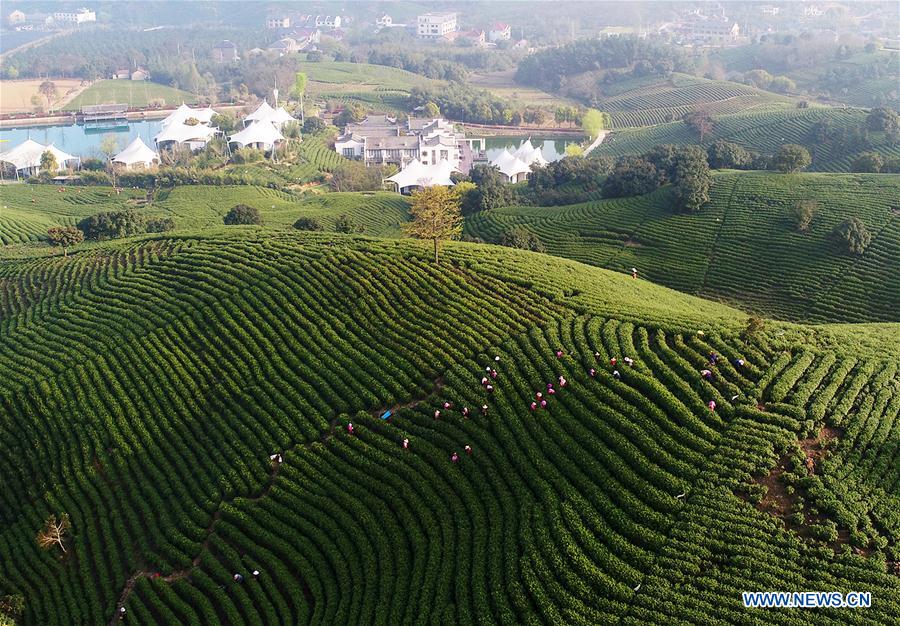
80, 16
278, 22
16, 17
122, 74
224, 52
499, 32
436, 25
328, 21
140, 74
710, 31
475, 36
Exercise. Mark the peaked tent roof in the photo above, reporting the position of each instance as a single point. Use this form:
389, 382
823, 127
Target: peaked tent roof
257, 132
136, 152
181, 133
184, 112
416, 174
263, 110
510, 165
278, 117
529, 154
28, 155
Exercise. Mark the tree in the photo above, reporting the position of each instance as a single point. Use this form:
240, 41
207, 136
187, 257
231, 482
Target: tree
869, 162
109, 147
48, 90
758, 78
65, 236
700, 122
48, 162
299, 90
782, 84
11, 608
883, 118
493, 191
691, 179
755, 325
432, 110
722, 154
791, 158
313, 125
36, 103
435, 216
242, 214
803, 213
308, 223
112, 225
851, 236
160, 224
54, 532
347, 225
353, 112
574, 150
632, 176
593, 121
521, 237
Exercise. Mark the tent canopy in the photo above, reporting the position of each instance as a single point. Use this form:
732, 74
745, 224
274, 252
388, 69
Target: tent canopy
263, 110
136, 152
27, 155
416, 174
184, 113
182, 133
528, 154
261, 132
509, 165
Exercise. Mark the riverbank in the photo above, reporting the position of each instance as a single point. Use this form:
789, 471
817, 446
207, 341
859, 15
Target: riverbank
67, 118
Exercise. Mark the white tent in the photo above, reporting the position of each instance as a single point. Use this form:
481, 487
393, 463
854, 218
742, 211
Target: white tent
514, 168
528, 154
136, 155
416, 174
279, 117
258, 135
195, 136
26, 157
184, 113
262, 111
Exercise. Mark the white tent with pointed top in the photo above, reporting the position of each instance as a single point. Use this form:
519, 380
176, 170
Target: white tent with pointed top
528, 154
417, 174
196, 135
136, 155
184, 113
514, 168
26, 157
262, 135
262, 111
278, 118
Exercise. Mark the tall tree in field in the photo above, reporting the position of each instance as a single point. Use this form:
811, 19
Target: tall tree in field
435, 215
109, 147
48, 90
54, 532
593, 121
48, 162
299, 89
791, 158
65, 237
700, 122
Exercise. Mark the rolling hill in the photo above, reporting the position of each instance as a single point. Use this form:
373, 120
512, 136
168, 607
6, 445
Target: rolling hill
145, 384
741, 247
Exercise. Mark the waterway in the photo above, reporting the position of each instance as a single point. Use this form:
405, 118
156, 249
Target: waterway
85, 142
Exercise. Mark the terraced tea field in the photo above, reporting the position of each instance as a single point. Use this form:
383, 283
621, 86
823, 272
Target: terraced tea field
762, 132
741, 247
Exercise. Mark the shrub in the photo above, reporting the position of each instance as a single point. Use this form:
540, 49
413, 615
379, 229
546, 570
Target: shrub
314, 125
802, 214
160, 224
867, 162
241, 214
791, 158
308, 223
346, 224
92, 165
632, 176
726, 155
851, 236
112, 225
521, 237
248, 155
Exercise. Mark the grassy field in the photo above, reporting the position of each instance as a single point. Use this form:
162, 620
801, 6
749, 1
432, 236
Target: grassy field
741, 247
191, 207
147, 383
502, 85
134, 93
763, 132
15, 95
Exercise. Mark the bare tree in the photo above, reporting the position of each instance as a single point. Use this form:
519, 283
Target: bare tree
53, 532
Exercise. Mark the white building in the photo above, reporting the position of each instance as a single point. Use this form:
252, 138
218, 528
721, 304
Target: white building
328, 21
500, 32
436, 25
16, 17
278, 21
75, 17
385, 21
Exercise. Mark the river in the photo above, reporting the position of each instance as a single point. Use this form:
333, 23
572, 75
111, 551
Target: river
78, 140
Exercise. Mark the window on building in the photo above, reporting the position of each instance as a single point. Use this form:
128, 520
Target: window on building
348, 153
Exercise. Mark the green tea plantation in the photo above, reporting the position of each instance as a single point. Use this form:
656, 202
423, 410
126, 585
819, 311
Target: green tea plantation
565, 445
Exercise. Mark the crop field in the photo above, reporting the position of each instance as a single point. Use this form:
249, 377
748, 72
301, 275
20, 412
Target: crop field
134, 93
741, 247
190, 206
15, 95
145, 385
763, 131
649, 105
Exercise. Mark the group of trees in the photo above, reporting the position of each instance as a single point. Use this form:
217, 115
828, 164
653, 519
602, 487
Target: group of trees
763, 80
467, 104
685, 167
418, 63
547, 69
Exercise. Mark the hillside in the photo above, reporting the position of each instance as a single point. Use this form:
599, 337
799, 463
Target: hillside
765, 132
133, 93
741, 247
145, 385
191, 207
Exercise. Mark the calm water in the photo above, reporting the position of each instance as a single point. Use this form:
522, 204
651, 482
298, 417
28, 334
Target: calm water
76, 139
83, 142
553, 149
